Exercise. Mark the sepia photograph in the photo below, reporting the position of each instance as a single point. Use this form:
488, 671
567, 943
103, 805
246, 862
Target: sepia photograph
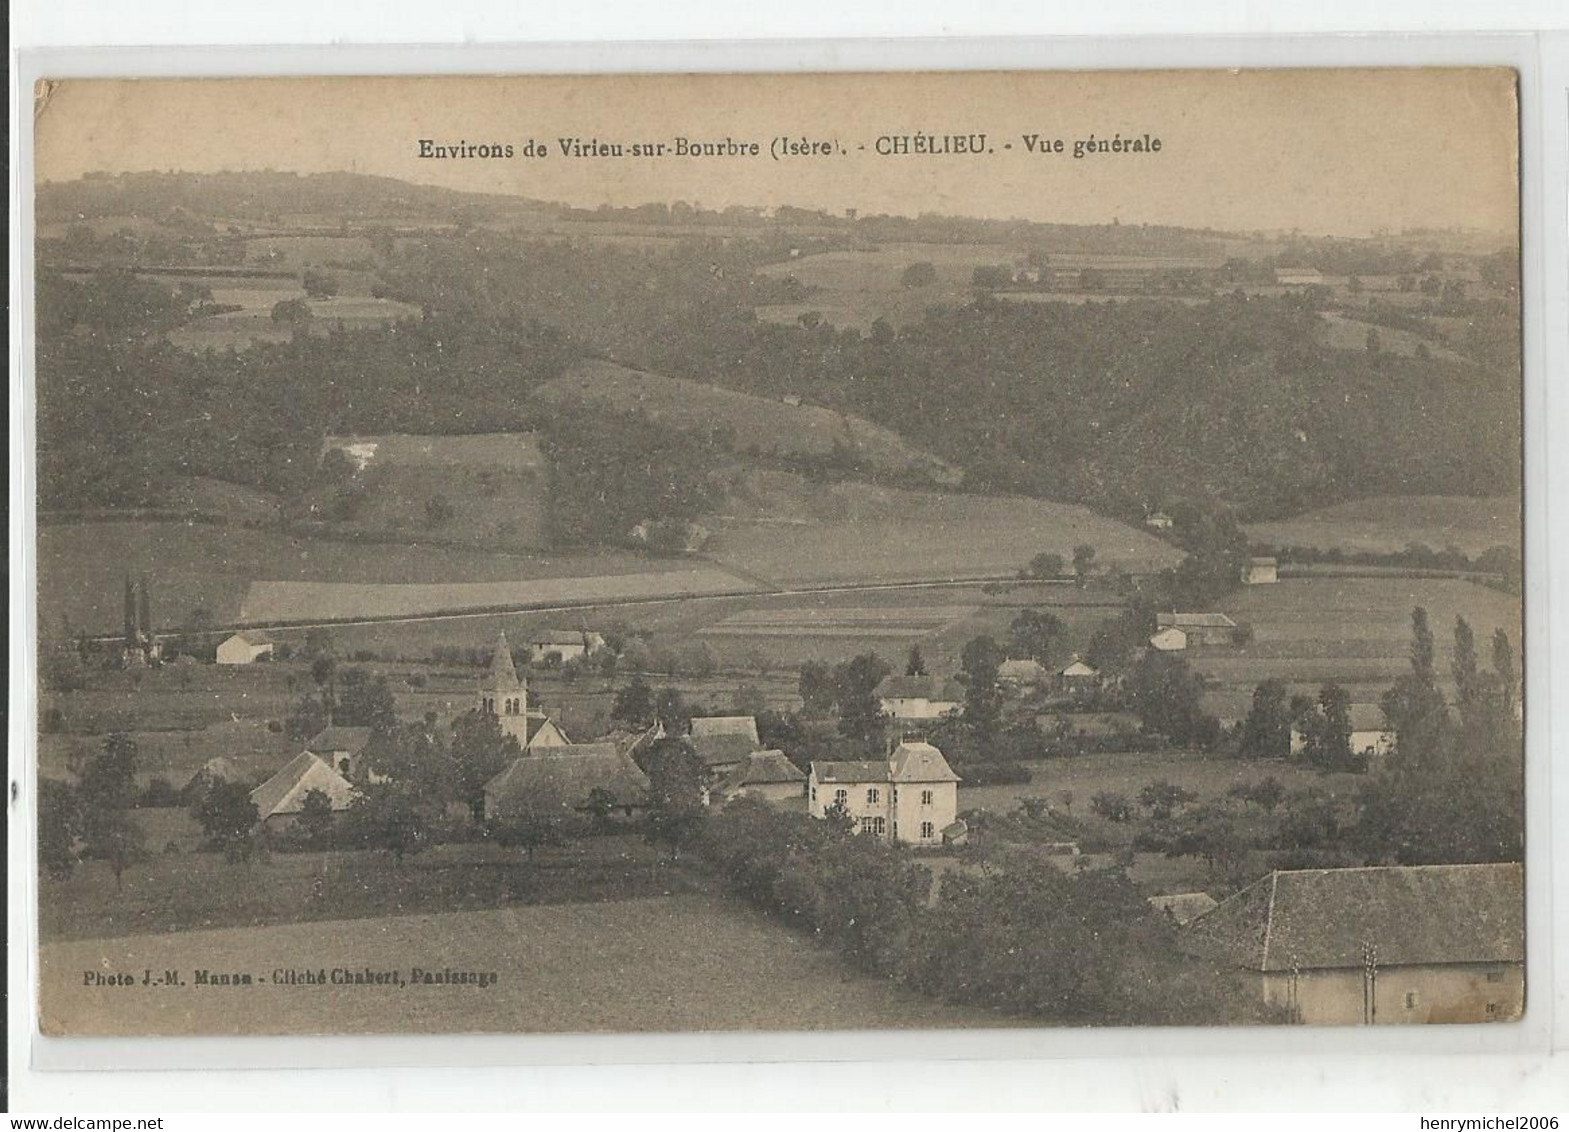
676, 553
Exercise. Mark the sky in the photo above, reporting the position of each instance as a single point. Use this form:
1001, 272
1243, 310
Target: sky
1344, 152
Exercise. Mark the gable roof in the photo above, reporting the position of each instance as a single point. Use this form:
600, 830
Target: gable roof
550, 778
722, 750
503, 674
1332, 918
1026, 669
919, 762
1077, 667
1195, 620
250, 637
725, 725
763, 768
865, 770
350, 739
284, 792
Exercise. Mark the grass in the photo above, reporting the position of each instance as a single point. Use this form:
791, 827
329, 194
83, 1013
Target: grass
1384, 524
679, 963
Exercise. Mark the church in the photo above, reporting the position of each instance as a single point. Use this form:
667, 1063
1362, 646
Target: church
504, 694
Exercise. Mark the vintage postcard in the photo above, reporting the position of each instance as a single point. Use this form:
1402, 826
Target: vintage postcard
778, 552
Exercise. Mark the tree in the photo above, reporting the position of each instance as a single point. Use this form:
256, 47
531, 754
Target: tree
817, 688
365, 700
634, 704
59, 826
480, 751
227, 817
918, 275
1168, 697
1034, 634
1112, 806
860, 708
672, 711
106, 793
291, 312
390, 817
1504, 669
308, 716
316, 816
915, 664
979, 663
748, 699
1045, 566
1083, 562
1328, 730
1266, 730
1415, 707
1163, 798
675, 794
531, 830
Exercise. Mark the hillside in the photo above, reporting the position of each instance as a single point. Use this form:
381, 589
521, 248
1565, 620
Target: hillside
760, 425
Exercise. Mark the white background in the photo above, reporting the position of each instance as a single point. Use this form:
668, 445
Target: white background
1498, 1069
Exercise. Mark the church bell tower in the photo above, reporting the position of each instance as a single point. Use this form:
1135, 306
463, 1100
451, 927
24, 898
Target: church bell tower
504, 694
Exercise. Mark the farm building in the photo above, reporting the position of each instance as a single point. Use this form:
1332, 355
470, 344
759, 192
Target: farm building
1202, 629
1298, 277
563, 780
1371, 736
281, 798
244, 648
1078, 676
1260, 572
1183, 907
723, 742
918, 697
1169, 639
911, 796
504, 694
340, 748
767, 775
563, 645
1018, 674
1377, 946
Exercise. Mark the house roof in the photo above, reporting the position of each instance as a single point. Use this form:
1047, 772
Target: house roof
1026, 669
763, 768
725, 725
350, 739
564, 777
906, 687
1184, 907
1195, 620
284, 792
563, 637
536, 721
503, 674
865, 770
919, 762
722, 750
1339, 918
1079, 667
1167, 635
251, 637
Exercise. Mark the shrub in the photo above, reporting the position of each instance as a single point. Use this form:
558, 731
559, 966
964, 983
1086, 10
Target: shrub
1112, 806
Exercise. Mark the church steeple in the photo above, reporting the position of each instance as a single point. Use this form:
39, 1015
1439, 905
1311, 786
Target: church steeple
503, 693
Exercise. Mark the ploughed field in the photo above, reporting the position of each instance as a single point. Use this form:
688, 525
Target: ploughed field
623, 965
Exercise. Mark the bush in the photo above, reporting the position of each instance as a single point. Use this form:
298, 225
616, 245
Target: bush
1112, 806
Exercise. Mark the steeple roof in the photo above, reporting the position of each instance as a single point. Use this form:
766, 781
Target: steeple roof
503, 676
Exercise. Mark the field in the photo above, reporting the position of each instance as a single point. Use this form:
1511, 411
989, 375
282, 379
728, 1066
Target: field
1343, 333
1353, 631
665, 963
82, 568
1389, 523
269, 602
860, 532
760, 424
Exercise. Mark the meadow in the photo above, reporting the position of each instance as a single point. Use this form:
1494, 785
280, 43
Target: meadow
1389, 523
621, 965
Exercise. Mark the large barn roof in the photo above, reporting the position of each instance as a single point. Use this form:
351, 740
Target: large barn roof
351, 739
763, 768
1343, 918
284, 792
562, 778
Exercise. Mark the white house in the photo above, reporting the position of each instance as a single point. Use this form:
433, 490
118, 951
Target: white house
281, 799
1260, 572
1371, 736
1169, 639
244, 648
1377, 946
911, 796
1078, 675
563, 644
906, 698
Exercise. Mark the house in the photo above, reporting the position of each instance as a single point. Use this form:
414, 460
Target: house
1260, 572
1371, 736
1078, 676
244, 648
504, 694
280, 800
566, 780
1202, 629
908, 698
1183, 907
1021, 674
342, 748
911, 796
1298, 277
1170, 639
723, 742
561, 645
767, 775
1422, 943
1158, 520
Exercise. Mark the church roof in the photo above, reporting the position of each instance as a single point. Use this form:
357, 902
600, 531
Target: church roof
503, 675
